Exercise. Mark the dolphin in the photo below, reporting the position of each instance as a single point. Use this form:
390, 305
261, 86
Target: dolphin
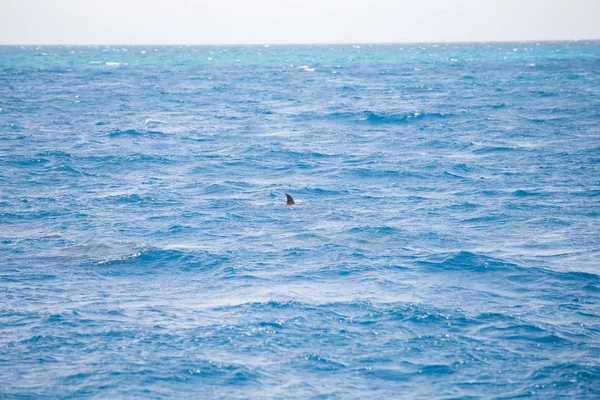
290, 200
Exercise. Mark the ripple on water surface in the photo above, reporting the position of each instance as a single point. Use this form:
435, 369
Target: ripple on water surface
444, 243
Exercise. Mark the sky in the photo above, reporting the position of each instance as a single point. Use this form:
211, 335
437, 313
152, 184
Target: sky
294, 21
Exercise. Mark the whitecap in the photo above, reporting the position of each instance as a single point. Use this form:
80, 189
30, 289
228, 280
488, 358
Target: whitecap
123, 258
309, 69
153, 121
112, 63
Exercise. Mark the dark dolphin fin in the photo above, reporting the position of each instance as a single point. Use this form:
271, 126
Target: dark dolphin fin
290, 200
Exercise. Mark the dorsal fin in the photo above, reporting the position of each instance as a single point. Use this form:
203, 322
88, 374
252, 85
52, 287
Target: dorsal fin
290, 200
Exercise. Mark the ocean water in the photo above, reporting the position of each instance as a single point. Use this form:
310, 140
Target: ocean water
445, 241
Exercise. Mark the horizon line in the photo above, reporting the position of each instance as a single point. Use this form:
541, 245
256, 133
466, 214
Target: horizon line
303, 43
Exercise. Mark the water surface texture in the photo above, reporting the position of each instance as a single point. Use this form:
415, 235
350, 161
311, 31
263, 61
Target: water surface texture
444, 243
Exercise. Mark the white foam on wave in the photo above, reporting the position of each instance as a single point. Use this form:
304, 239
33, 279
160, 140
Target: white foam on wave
112, 63
153, 121
309, 69
122, 258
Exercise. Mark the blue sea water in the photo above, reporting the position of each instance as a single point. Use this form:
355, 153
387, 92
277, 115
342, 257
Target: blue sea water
445, 241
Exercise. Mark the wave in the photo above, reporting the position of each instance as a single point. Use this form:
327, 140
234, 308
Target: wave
513, 272
408, 374
525, 193
135, 157
587, 193
132, 133
21, 160
317, 362
375, 230
376, 118
112, 258
226, 187
296, 155
222, 373
373, 173
390, 118
71, 170
465, 260
149, 260
510, 330
453, 175
127, 198
55, 153
579, 377
499, 149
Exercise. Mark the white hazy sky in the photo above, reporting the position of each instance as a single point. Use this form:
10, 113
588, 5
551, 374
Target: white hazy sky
294, 21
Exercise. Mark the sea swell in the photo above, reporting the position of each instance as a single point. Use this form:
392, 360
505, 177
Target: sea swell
443, 243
